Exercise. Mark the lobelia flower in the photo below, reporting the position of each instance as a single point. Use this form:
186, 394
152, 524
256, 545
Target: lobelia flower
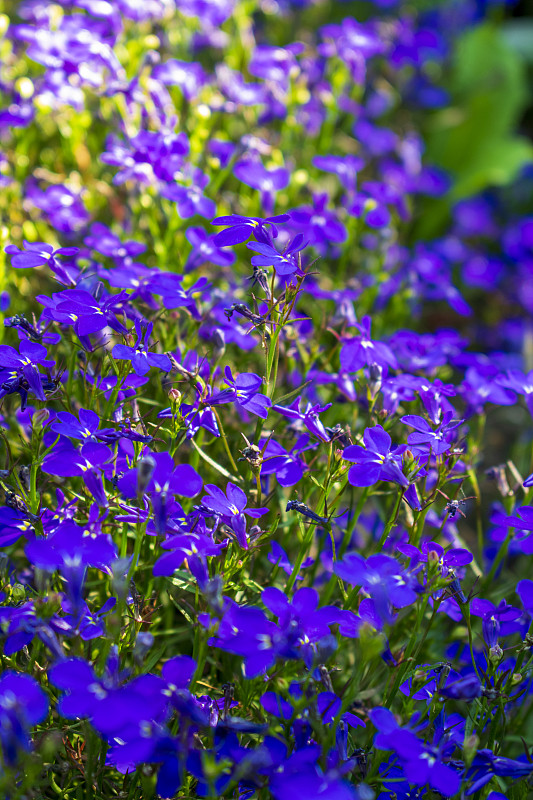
66, 461
426, 440
492, 618
378, 460
64, 208
486, 765
80, 308
307, 417
422, 764
190, 199
204, 250
279, 558
139, 355
37, 254
363, 351
231, 507
287, 466
166, 479
243, 391
241, 228
431, 551
191, 547
344, 167
520, 383
382, 578
85, 428
19, 371
284, 263
104, 241
22, 704
318, 224
267, 181
71, 550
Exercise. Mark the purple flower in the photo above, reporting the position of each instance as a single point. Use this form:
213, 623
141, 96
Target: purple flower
318, 224
284, 263
363, 351
190, 198
195, 548
486, 765
241, 228
104, 241
22, 704
204, 250
383, 578
139, 355
19, 371
243, 391
79, 308
84, 429
426, 439
165, 479
288, 467
493, 617
231, 506
422, 764
36, 254
377, 461
306, 417
267, 181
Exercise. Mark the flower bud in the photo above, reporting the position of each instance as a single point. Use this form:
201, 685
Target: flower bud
219, 342
470, 746
39, 418
495, 654
145, 470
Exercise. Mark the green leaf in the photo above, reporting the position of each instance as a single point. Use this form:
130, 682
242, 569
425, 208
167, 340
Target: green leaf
473, 138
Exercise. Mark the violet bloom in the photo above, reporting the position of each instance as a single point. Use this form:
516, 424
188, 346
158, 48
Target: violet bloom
19, 371
288, 467
195, 549
66, 461
285, 263
231, 507
241, 228
318, 224
520, 383
422, 763
279, 558
493, 617
188, 75
22, 704
306, 417
80, 308
85, 428
190, 198
165, 479
104, 241
379, 460
427, 440
204, 250
71, 551
36, 254
244, 392
431, 551
344, 167
486, 765
139, 355
362, 351
383, 578
267, 181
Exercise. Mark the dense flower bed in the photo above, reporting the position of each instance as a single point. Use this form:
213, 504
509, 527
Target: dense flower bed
267, 386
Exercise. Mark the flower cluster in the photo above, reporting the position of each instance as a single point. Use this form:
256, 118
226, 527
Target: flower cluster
266, 401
